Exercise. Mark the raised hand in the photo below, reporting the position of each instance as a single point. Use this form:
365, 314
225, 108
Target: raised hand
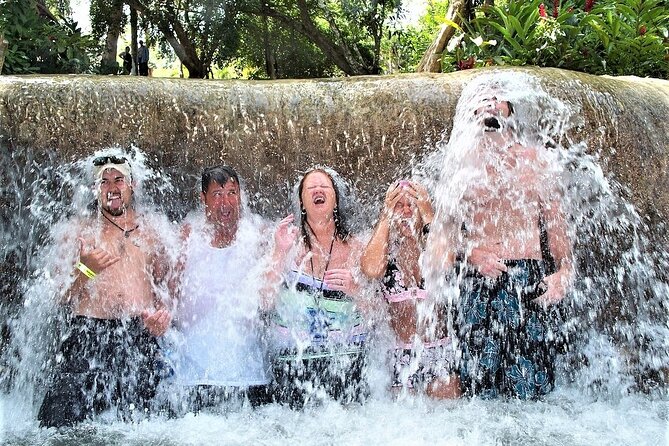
286, 233
393, 195
97, 259
422, 199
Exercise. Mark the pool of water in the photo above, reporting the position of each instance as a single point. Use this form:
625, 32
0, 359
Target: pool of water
566, 417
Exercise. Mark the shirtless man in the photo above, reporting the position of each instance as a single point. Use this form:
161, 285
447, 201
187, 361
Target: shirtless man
515, 242
109, 351
219, 305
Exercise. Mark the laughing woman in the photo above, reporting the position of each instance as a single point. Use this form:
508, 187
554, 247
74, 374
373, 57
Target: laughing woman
317, 328
422, 357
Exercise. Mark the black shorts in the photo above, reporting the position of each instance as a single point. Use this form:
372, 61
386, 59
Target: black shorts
340, 376
102, 364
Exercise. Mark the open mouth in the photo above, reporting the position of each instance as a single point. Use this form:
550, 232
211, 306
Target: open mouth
111, 198
319, 199
491, 123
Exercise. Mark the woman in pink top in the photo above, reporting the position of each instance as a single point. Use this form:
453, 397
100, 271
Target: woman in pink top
423, 355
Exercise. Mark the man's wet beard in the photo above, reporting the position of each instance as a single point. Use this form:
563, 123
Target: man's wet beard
114, 212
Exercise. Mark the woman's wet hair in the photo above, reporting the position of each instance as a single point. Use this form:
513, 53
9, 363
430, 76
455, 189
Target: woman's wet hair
220, 174
342, 229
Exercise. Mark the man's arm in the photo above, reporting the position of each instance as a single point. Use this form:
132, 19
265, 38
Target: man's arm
90, 261
162, 271
560, 246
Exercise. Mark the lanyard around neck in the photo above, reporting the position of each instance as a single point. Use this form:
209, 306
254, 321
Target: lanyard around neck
327, 263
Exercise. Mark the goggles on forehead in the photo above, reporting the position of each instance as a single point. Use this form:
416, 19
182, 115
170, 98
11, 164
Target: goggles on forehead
120, 163
102, 160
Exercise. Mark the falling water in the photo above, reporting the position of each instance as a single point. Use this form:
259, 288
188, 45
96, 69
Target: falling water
615, 315
611, 387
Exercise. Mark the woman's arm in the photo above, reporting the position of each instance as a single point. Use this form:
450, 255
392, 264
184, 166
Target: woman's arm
374, 259
285, 236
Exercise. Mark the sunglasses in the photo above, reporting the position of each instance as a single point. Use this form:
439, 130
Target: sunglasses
102, 160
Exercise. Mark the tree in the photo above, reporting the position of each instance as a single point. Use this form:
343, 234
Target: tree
108, 20
198, 31
457, 10
273, 51
405, 45
41, 42
349, 33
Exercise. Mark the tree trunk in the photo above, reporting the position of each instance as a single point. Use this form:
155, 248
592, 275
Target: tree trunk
133, 40
109, 63
431, 61
270, 59
3, 47
175, 34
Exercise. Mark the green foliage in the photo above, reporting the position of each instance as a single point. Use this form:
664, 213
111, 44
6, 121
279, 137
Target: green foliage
349, 33
208, 30
40, 45
405, 45
293, 55
100, 11
626, 37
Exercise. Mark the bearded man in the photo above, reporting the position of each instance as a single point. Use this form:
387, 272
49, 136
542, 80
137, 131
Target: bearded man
109, 353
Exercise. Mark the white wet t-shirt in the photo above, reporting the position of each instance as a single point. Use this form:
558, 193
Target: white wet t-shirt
218, 314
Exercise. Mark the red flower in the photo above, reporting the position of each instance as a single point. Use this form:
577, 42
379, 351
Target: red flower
556, 8
642, 30
589, 4
466, 64
542, 11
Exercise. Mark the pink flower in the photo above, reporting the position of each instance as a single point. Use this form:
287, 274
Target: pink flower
642, 30
542, 11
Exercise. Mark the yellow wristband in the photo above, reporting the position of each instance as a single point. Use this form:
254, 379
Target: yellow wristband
86, 270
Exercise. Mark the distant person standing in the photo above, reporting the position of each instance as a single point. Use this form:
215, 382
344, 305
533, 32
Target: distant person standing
127, 60
143, 59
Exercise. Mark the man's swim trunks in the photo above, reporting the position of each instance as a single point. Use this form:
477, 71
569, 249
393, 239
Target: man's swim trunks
505, 339
101, 364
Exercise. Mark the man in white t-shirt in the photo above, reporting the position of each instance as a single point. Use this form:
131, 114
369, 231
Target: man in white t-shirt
221, 353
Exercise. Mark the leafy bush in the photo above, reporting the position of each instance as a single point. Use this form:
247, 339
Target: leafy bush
404, 46
38, 45
628, 37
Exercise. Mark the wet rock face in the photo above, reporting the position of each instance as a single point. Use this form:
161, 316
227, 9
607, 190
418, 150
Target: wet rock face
370, 129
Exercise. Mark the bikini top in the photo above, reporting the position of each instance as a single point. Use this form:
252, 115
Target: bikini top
394, 289
313, 285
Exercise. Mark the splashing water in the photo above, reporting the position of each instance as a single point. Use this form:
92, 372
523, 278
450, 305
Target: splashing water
615, 313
